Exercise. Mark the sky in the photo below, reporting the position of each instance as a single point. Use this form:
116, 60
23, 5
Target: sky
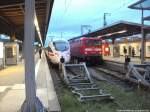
68, 16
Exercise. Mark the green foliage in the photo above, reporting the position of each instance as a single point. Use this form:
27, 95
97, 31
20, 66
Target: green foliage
123, 100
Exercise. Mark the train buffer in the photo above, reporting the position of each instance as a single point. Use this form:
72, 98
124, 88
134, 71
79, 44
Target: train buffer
78, 79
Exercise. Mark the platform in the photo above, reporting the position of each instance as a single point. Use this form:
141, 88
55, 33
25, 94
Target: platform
12, 87
121, 59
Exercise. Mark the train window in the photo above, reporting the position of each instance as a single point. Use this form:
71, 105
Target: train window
148, 48
61, 46
93, 42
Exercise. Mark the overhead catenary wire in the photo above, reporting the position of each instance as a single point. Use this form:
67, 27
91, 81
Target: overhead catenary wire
95, 21
114, 11
66, 7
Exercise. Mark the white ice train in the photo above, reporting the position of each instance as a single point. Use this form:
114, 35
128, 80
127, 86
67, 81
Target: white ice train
57, 49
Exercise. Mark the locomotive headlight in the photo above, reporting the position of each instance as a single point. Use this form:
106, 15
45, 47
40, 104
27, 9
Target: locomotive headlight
106, 49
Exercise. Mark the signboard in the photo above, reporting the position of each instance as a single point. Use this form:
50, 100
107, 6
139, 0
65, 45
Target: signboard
11, 53
1, 55
1, 50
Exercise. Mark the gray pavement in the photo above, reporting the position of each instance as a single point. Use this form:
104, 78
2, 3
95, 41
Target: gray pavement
12, 88
121, 59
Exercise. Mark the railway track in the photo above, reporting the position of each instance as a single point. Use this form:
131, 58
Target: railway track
112, 77
116, 69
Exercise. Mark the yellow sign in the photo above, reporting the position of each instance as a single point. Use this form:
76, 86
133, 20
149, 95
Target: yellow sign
125, 40
13, 37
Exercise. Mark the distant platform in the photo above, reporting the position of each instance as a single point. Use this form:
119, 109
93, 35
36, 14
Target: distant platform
121, 59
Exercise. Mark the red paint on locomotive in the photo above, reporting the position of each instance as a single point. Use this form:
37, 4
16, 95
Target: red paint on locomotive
86, 49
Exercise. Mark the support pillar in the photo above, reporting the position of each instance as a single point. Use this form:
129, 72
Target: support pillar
31, 103
142, 51
112, 49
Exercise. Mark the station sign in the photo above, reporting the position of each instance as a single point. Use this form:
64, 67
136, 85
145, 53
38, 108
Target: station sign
11, 53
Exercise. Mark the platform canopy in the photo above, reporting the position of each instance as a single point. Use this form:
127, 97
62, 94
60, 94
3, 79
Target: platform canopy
147, 18
118, 30
12, 17
141, 5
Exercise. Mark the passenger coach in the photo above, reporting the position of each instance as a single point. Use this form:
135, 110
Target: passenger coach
58, 49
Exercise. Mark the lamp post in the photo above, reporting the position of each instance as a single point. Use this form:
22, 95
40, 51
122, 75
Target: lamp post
104, 18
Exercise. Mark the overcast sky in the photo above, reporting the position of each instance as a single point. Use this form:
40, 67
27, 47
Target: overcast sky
68, 15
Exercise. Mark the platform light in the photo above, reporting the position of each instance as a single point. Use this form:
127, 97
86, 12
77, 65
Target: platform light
109, 34
118, 39
38, 29
123, 31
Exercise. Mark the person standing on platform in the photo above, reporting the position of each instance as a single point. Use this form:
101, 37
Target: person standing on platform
126, 63
40, 52
124, 51
140, 53
133, 52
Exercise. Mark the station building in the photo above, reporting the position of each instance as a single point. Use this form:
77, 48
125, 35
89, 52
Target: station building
130, 43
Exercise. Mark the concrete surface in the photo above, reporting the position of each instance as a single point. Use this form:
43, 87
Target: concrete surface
121, 59
12, 87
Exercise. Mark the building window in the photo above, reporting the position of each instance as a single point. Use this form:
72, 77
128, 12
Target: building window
148, 47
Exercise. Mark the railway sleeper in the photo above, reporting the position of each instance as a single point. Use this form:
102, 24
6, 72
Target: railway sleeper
82, 86
97, 97
79, 80
84, 89
81, 83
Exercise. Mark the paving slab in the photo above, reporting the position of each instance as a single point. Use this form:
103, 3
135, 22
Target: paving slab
12, 101
14, 97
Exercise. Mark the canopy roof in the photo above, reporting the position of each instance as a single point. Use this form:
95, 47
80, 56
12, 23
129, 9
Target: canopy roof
141, 5
117, 30
12, 17
147, 18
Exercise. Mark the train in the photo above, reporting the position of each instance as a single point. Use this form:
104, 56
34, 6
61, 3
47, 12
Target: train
88, 49
58, 49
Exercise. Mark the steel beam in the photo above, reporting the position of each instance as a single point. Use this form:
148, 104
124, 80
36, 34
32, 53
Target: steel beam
18, 4
143, 40
31, 103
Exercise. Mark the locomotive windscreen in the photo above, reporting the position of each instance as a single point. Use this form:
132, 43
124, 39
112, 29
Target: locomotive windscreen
61, 46
93, 42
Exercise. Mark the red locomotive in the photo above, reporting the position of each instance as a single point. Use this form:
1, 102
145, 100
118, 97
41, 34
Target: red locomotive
88, 49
